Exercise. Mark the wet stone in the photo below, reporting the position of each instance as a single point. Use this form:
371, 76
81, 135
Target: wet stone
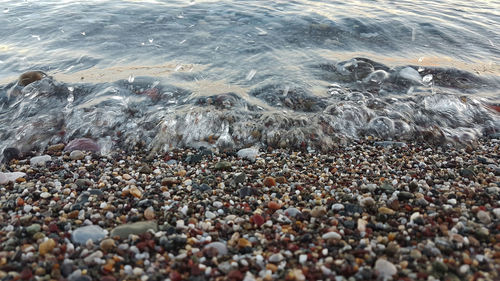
76, 155
83, 234
239, 178
353, 209
11, 153
385, 268
40, 160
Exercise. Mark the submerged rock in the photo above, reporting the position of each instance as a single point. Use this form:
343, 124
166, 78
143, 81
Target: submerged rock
83, 144
11, 153
40, 160
29, 77
8, 177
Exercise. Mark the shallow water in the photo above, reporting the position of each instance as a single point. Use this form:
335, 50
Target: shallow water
239, 73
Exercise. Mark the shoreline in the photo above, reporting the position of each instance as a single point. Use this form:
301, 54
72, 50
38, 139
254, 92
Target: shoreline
414, 212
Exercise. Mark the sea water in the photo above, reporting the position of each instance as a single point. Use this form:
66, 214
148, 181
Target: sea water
233, 74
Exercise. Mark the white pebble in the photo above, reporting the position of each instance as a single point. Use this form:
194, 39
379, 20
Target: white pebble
302, 259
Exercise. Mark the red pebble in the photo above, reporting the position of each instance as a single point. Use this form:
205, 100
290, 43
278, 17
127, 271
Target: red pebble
235, 275
269, 181
26, 274
108, 278
258, 219
175, 276
273, 205
53, 227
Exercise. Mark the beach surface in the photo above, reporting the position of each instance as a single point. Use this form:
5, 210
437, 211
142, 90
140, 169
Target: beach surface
367, 210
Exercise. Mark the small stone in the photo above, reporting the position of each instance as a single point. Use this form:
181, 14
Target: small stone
269, 181
76, 155
468, 173
219, 246
292, 212
439, 267
93, 232
337, 207
126, 177
149, 213
496, 211
415, 254
405, 196
484, 217
276, 258
45, 195
331, 235
137, 228
367, 202
239, 178
34, 228
134, 191
223, 165
47, 246
242, 243
40, 160
56, 147
107, 244
318, 211
145, 169
386, 211
29, 77
248, 153
273, 205
385, 268
93, 257
302, 259
258, 219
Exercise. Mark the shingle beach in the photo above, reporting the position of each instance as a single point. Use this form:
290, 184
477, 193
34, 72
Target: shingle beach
364, 211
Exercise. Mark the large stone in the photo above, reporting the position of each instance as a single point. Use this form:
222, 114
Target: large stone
11, 153
83, 234
8, 177
137, 228
249, 153
83, 144
40, 160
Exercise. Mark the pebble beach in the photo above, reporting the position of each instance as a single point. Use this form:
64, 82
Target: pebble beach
364, 211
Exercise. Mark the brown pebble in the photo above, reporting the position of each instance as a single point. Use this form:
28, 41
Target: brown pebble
318, 211
29, 77
56, 147
269, 181
107, 244
47, 247
386, 211
135, 192
273, 205
149, 213
242, 243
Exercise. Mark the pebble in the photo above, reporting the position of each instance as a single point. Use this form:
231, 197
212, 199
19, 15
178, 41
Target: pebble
269, 182
83, 144
76, 155
46, 246
385, 268
496, 212
386, 211
337, 207
331, 235
107, 244
276, 258
219, 246
10, 177
34, 228
11, 153
123, 231
82, 234
149, 213
248, 153
40, 160
484, 217
223, 165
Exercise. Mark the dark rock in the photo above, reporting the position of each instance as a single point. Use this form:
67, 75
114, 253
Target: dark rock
145, 169
193, 159
11, 153
405, 196
352, 209
247, 191
468, 173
